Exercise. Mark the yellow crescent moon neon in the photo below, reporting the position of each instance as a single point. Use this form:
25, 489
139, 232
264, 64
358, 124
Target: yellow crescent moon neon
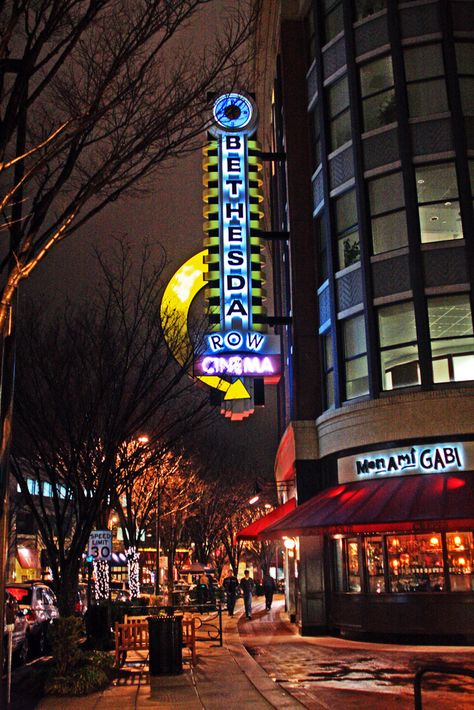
180, 292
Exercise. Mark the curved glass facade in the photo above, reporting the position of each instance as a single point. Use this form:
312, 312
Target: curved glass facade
390, 89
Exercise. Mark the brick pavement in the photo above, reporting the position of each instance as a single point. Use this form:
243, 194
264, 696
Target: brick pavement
334, 673
265, 664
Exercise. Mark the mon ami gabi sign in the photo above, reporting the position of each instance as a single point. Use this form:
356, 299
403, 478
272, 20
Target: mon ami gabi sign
415, 459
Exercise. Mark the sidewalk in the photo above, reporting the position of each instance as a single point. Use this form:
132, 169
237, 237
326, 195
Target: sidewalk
265, 664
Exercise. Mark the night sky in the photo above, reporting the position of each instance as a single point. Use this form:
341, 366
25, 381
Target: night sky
172, 215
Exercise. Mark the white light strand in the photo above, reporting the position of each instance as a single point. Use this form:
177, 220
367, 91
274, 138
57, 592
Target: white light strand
133, 567
102, 579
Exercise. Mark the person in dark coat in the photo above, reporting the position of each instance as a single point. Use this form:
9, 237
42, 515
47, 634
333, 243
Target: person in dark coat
269, 588
231, 584
248, 586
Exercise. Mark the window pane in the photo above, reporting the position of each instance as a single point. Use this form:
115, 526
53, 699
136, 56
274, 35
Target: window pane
463, 366
354, 336
349, 250
353, 572
357, 377
379, 110
330, 390
333, 23
389, 232
328, 351
397, 324
465, 57
436, 182
440, 222
338, 96
400, 367
416, 563
374, 562
346, 211
466, 85
450, 316
427, 98
364, 8
340, 130
441, 371
338, 565
386, 193
423, 62
376, 76
460, 561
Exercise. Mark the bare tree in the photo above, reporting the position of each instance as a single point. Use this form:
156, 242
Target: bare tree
98, 375
138, 495
95, 96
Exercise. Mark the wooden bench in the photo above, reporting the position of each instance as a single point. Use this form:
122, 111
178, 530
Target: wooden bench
132, 635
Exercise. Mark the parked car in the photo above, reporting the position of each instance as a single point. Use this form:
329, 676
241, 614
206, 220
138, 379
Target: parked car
38, 603
20, 635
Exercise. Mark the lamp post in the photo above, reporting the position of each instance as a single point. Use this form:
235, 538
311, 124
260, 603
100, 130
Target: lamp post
157, 539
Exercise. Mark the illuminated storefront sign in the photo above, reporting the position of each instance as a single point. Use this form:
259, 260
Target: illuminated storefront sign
416, 459
233, 236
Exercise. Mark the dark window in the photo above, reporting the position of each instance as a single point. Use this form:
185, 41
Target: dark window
378, 94
389, 228
339, 113
398, 346
426, 85
328, 365
347, 229
355, 357
333, 19
365, 8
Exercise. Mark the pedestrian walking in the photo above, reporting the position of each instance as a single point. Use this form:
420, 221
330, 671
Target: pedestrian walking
202, 589
269, 588
248, 586
231, 584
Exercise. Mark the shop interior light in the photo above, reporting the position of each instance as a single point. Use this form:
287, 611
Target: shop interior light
289, 543
253, 500
434, 541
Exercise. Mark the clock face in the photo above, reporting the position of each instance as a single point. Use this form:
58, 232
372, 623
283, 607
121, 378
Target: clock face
234, 112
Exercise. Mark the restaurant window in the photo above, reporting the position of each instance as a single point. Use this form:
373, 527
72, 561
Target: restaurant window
328, 365
374, 564
452, 341
353, 572
398, 347
465, 62
438, 203
460, 561
338, 565
426, 84
365, 8
378, 93
415, 563
339, 113
355, 357
333, 19
387, 203
347, 229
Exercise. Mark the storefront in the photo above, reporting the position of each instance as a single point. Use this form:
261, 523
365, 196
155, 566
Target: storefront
398, 541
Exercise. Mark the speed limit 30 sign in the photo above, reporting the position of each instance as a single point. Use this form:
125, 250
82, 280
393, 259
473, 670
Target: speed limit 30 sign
100, 544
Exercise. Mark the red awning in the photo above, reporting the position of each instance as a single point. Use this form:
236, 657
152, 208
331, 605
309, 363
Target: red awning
436, 501
257, 530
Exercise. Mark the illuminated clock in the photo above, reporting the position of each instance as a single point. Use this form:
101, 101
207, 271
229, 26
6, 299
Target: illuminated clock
234, 113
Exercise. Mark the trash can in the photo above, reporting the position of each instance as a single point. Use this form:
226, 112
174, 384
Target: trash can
165, 644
